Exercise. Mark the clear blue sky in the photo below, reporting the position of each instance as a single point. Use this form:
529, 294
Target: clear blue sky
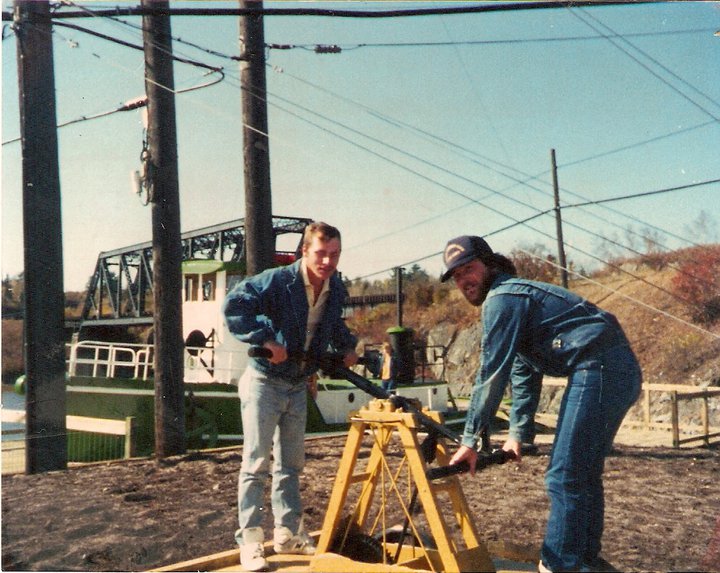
421, 129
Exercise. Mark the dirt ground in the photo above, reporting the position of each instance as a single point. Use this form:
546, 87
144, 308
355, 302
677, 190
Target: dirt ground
663, 509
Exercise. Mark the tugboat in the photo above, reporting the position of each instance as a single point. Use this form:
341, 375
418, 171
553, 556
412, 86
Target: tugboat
111, 378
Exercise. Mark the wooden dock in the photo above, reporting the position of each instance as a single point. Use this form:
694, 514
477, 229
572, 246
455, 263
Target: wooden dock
514, 559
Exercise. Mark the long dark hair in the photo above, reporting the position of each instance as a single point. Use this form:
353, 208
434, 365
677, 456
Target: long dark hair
501, 263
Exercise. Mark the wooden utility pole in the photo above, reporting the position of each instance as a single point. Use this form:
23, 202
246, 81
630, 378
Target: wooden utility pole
558, 223
167, 244
46, 436
259, 237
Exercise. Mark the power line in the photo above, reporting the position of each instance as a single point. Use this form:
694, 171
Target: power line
612, 40
334, 13
138, 29
454, 191
632, 299
216, 53
138, 47
140, 101
485, 205
123, 108
127, 106
638, 143
644, 194
541, 40
624, 39
417, 158
527, 177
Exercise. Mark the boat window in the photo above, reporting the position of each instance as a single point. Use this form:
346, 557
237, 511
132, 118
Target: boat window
190, 288
208, 288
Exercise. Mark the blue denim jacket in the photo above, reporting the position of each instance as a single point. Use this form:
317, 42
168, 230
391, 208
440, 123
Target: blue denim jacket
529, 329
273, 306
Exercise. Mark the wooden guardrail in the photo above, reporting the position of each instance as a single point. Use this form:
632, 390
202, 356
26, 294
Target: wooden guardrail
705, 432
706, 435
126, 427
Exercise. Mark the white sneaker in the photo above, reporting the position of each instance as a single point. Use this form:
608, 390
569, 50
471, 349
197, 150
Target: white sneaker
285, 542
252, 554
542, 568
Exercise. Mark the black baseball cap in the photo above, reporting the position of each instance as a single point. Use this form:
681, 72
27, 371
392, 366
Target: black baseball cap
462, 250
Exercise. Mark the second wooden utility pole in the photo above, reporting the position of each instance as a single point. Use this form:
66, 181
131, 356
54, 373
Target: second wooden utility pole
558, 223
167, 245
259, 236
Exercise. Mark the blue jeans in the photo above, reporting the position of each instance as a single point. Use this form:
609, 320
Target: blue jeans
274, 413
598, 395
388, 384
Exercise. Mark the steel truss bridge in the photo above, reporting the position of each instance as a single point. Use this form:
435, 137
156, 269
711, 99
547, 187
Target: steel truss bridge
120, 290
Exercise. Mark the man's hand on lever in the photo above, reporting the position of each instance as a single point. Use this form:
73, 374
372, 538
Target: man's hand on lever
514, 446
350, 359
279, 352
465, 454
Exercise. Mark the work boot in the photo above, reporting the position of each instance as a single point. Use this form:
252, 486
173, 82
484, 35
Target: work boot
286, 542
252, 554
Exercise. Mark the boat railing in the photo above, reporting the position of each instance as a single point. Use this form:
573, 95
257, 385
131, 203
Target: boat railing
100, 359
96, 359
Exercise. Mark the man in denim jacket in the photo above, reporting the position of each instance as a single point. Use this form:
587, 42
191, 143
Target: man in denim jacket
295, 313
531, 328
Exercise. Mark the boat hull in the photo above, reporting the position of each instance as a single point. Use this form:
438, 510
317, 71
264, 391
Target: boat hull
212, 410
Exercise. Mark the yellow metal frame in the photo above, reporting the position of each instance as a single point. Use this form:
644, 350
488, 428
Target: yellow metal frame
380, 420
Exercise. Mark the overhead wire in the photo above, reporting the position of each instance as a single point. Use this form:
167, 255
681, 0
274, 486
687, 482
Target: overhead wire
139, 47
615, 39
542, 40
127, 106
685, 301
417, 173
645, 193
503, 213
476, 93
338, 13
526, 178
139, 102
138, 28
624, 39
438, 167
599, 284
194, 45
100, 115
138, 32
455, 191
472, 199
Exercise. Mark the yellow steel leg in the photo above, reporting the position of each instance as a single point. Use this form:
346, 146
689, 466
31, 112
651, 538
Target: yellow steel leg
383, 422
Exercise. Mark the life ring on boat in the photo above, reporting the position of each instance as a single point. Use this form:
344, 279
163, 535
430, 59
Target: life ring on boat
20, 384
194, 342
196, 339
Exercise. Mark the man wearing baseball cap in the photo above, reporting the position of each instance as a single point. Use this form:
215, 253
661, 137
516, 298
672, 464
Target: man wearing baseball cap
532, 328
